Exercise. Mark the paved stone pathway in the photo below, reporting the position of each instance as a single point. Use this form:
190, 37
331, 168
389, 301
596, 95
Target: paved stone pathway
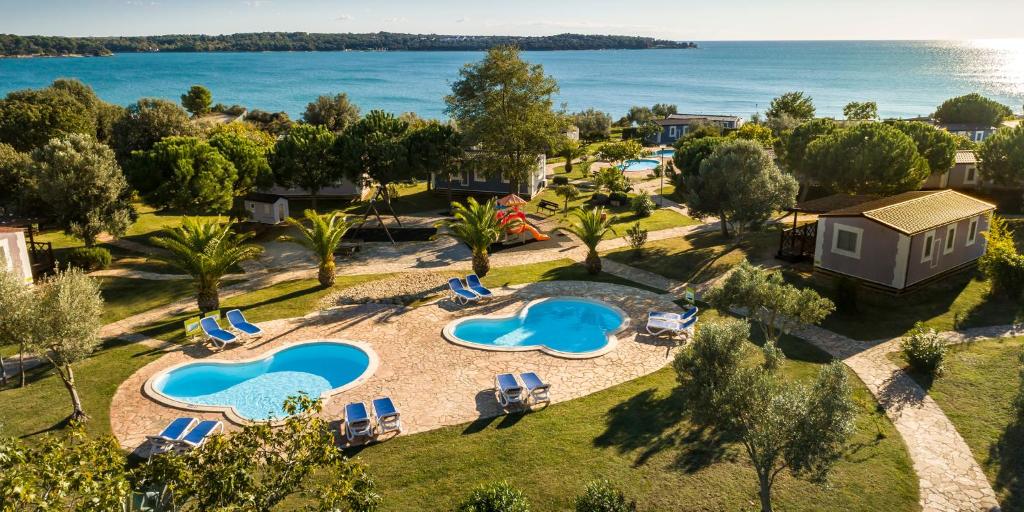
950, 478
433, 382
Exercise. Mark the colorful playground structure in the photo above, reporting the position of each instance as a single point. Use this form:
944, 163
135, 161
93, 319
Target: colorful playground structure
514, 221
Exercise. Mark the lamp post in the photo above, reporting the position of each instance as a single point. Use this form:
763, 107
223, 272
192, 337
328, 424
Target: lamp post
661, 192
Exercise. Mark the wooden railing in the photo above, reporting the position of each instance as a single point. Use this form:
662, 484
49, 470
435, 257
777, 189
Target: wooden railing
796, 244
40, 254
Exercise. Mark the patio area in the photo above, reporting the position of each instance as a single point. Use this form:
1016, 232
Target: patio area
433, 382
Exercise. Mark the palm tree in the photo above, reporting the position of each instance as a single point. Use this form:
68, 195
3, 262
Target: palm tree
569, 192
572, 150
477, 226
591, 229
322, 237
205, 250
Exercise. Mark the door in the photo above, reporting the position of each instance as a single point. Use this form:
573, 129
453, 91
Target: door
936, 252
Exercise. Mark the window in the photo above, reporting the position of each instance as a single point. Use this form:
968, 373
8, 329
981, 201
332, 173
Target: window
972, 231
504, 178
846, 240
950, 239
479, 176
979, 136
926, 249
464, 178
671, 131
971, 175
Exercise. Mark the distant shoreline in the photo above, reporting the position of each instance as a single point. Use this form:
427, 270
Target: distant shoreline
15, 46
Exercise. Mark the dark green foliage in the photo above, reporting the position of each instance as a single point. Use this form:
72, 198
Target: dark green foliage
601, 496
497, 497
31, 117
11, 44
663, 110
847, 294
560, 180
710, 361
972, 109
145, 123
618, 197
861, 111
937, 146
924, 350
377, 149
89, 258
276, 123
248, 151
795, 105
197, 100
16, 191
304, 158
642, 204
336, 113
1002, 156
1002, 264
869, 158
184, 173
637, 237
598, 199
593, 124
691, 152
794, 146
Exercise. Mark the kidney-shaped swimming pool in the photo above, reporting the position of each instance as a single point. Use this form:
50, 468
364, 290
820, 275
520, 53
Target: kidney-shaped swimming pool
256, 389
563, 326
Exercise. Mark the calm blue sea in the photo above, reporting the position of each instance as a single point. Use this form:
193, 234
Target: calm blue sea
905, 78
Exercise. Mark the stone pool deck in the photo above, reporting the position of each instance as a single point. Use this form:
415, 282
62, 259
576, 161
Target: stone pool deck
433, 382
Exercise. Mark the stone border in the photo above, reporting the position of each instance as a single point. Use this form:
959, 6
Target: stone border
448, 332
150, 391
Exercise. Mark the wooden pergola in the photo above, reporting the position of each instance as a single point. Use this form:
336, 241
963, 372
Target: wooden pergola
797, 243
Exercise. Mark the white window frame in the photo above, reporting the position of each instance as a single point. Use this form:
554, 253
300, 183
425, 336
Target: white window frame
949, 244
972, 232
979, 136
504, 178
928, 248
478, 177
672, 131
836, 228
464, 178
971, 175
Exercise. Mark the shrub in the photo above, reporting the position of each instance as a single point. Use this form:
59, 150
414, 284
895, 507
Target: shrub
560, 180
657, 171
600, 496
89, 258
618, 198
924, 350
642, 204
497, 497
1001, 264
636, 236
599, 199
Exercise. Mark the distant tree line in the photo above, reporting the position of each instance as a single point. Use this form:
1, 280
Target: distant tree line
15, 45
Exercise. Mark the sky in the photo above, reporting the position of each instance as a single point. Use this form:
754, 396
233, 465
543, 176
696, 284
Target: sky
684, 20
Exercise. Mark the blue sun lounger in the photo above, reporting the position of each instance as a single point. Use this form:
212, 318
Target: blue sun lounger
459, 293
536, 389
473, 282
237, 320
357, 421
171, 434
676, 317
509, 390
199, 435
387, 415
218, 336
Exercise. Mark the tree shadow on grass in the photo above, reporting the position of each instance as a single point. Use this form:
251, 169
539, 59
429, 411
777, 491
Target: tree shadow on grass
650, 425
1008, 454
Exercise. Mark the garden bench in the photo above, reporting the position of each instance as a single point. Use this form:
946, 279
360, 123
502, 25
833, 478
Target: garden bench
550, 206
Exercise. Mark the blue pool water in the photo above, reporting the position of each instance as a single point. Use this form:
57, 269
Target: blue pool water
257, 389
667, 153
561, 324
644, 164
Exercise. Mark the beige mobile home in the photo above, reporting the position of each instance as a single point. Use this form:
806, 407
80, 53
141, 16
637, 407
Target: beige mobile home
904, 240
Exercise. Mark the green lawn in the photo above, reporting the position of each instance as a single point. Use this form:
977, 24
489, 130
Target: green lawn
637, 436
556, 270
696, 257
660, 219
126, 297
976, 392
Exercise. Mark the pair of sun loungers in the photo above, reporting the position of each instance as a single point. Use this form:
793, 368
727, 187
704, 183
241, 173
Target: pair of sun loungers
673, 324
385, 416
528, 388
183, 434
472, 291
237, 322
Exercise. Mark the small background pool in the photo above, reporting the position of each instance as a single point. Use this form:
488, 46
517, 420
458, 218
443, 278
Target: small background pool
667, 153
644, 164
561, 324
258, 389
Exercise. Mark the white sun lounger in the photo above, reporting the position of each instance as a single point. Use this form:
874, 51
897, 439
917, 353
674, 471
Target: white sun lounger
656, 326
357, 421
213, 331
460, 293
536, 389
508, 388
237, 321
387, 415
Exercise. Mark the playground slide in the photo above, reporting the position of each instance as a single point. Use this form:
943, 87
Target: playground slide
537, 235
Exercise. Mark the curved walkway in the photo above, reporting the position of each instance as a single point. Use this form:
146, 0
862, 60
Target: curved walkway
435, 383
950, 479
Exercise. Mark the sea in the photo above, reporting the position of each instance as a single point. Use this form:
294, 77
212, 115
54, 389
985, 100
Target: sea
905, 78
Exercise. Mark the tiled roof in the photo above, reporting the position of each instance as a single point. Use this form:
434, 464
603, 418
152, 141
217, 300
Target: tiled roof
966, 156
833, 202
5, 229
678, 119
917, 211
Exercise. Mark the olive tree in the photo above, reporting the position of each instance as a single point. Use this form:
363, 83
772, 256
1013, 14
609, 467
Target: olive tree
66, 325
778, 307
690, 153
145, 123
795, 105
336, 113
869, 158
17, 301
740, 184
782, 426
30, 118
593, 124
619, 152
84, 188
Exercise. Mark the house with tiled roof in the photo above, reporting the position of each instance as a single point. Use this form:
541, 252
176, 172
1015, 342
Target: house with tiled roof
963, 174
899, 242
674, 126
